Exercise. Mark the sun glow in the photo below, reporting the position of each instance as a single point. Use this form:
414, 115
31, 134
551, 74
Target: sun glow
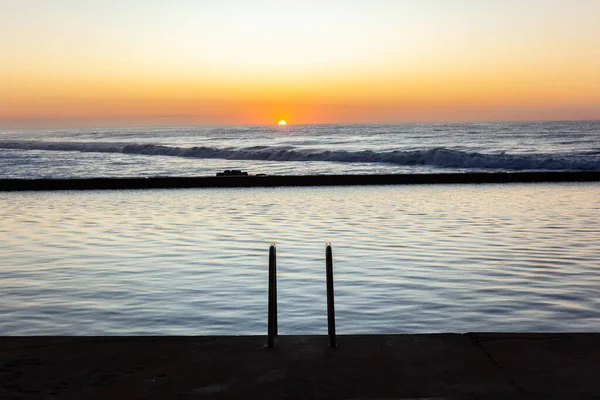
389, 64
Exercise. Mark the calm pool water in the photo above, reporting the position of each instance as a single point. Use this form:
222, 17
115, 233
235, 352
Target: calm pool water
446, 258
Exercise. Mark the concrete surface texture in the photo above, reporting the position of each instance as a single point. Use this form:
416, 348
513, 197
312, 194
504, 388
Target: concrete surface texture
436, 366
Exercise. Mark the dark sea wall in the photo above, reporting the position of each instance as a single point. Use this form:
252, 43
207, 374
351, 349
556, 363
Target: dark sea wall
294, 180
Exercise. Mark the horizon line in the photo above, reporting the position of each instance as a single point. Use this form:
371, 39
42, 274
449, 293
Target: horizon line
289, 124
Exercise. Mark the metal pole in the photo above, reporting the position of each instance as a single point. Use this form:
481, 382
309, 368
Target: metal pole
272, 308
275, 324
330, 306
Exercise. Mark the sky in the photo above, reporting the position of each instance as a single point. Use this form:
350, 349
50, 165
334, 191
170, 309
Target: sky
77, 63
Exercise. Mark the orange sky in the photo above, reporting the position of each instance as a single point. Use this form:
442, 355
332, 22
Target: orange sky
247, 62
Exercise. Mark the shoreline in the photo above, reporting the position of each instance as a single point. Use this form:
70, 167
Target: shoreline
440, 366
8, 185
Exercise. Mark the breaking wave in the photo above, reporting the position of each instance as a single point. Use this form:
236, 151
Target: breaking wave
437, 157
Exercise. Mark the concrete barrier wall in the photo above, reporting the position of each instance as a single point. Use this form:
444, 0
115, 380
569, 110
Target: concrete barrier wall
293, 180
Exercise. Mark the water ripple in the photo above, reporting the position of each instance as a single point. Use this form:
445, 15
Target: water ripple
407, 259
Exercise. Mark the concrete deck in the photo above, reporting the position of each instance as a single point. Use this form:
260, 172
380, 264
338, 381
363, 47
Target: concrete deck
439, 366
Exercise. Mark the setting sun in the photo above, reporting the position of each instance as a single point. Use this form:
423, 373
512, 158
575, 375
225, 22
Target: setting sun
360, 62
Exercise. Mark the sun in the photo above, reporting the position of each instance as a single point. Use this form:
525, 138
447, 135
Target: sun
282, 122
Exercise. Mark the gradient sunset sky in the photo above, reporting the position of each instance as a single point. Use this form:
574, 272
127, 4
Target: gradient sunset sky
72, 63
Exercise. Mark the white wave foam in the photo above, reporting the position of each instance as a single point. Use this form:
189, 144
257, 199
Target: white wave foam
438, 157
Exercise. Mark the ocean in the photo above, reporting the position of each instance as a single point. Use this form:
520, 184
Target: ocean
407, 259
300, 149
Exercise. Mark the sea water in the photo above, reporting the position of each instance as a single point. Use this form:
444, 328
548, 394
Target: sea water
301, 149
407, 259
